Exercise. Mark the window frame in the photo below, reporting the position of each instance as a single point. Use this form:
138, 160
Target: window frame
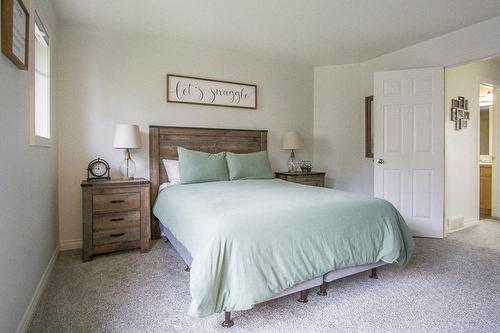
36, 140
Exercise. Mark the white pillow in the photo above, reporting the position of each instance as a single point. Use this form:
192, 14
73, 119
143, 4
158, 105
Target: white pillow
165, 185
172, 168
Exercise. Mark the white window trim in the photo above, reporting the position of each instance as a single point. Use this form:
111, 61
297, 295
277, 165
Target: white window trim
34, 139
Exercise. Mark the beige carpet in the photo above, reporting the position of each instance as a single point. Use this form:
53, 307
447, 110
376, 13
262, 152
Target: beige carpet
451, 285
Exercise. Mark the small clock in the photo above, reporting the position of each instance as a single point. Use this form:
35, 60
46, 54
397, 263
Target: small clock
98, 169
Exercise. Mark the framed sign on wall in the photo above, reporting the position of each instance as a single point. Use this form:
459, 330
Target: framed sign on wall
195, 90
15, 32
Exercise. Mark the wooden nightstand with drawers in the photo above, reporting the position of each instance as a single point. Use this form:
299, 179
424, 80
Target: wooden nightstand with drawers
312, 178
116, 216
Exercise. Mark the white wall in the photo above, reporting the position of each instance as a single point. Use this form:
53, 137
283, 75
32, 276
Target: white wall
338, 145
462, 147
481, 40
28, 196
111, 77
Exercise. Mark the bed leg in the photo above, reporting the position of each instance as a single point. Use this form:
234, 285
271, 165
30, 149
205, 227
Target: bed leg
322, 289
303, 296
227, 320
187, 269
373, 275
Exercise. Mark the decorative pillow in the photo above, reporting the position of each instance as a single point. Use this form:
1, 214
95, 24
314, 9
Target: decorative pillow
172, 168
249, 166
200, 167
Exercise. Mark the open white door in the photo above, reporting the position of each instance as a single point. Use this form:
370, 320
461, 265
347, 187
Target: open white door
409, 146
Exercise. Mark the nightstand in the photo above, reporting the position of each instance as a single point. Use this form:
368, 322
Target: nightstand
116, 216
303, 177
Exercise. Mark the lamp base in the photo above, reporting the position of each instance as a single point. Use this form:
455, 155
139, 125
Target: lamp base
291, 163
127, 168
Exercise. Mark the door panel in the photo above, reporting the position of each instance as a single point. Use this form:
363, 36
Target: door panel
393, 132
392, 88
422, 86
392, 187
409, 146
422, 128
422, 194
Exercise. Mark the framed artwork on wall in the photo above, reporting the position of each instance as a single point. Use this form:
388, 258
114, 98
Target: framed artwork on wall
454, 115
15, 32
459, 112
196, 90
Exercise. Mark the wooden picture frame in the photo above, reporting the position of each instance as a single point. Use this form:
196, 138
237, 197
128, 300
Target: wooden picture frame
201, 91
13, 14
368, 127
454, 114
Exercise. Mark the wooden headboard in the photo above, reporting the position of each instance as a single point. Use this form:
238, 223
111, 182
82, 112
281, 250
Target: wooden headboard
164, 140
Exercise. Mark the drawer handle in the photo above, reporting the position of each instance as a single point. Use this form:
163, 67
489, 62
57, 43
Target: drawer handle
117, 235
117, 201
117, 219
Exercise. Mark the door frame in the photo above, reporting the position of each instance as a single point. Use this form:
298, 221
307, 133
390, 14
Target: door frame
495, 206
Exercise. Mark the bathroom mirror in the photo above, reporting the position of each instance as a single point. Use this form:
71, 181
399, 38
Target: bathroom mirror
486, 121
485, 137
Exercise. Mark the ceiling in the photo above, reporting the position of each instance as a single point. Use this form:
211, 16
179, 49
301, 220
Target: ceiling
314, 32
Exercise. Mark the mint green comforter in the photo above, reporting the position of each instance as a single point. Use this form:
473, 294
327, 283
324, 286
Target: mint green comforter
250, 239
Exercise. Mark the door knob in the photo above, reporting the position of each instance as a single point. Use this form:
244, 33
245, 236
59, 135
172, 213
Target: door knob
380, 161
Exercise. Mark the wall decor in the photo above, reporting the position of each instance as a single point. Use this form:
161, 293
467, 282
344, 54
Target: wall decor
15, 32
195, 90
454, 115
305, 166
368, 127
459, 112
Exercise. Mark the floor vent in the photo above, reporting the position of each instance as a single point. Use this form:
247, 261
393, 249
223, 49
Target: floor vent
455, 223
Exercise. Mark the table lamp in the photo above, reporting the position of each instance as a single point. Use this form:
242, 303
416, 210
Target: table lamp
291, 140
127, 137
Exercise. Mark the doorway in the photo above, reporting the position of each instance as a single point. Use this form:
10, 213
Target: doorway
471, 128
487, 131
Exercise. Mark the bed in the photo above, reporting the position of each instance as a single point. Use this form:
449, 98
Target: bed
249, 241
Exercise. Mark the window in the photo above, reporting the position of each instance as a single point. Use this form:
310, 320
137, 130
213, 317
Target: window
40, 81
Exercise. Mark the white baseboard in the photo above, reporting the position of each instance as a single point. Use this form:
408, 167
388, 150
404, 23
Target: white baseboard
467, 224
71, 244
470, 223
30, 310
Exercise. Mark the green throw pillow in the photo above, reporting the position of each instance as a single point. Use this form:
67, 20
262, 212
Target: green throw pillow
200, 167
249, 166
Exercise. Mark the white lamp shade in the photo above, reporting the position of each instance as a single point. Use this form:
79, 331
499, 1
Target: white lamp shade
127, 136
291, 140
